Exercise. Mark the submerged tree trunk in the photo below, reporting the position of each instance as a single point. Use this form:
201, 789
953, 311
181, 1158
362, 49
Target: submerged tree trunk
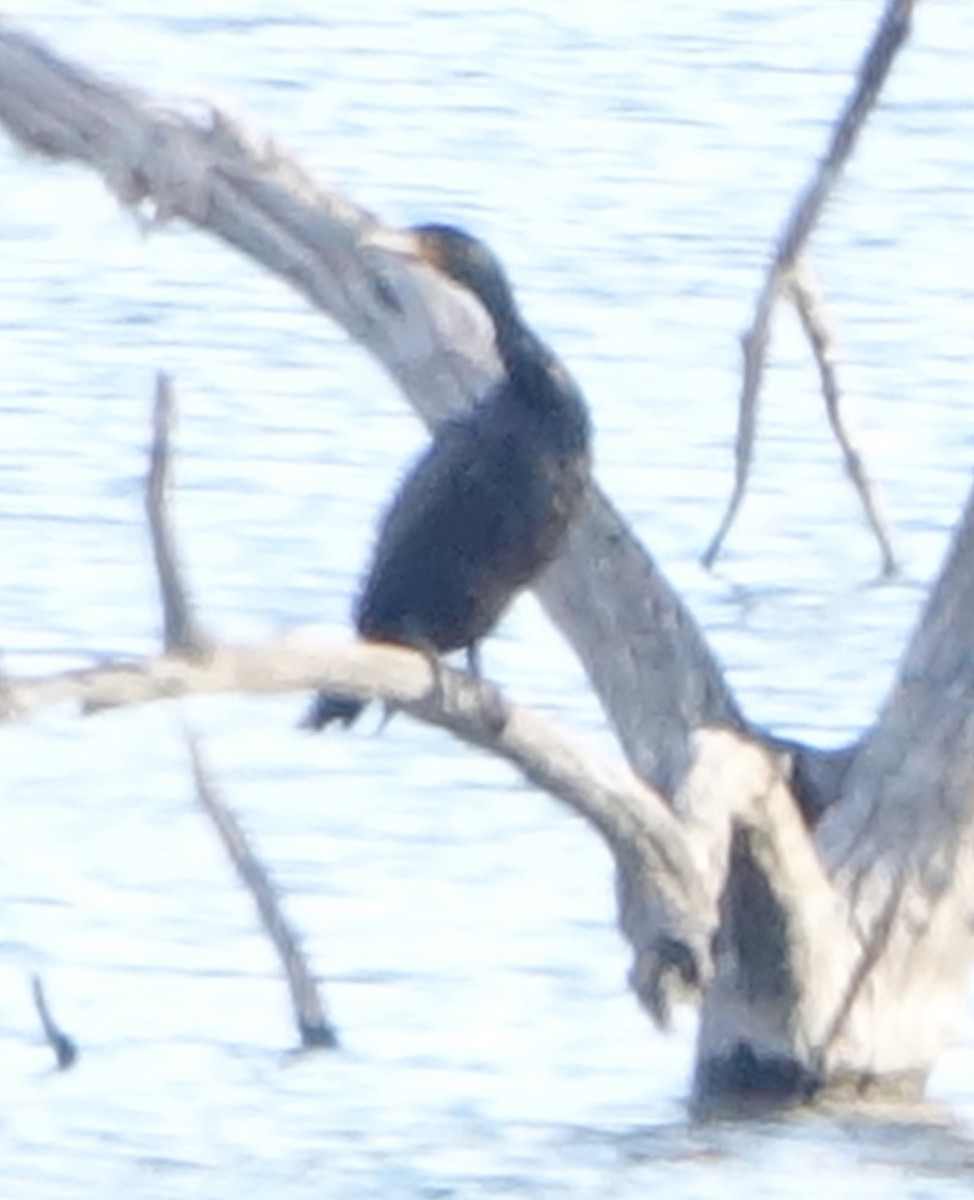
813, 903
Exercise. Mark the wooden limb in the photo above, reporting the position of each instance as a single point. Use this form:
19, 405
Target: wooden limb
314, 1028
657, 679
808, 303
754, 346
65, 1048
467, 707
899, 843
874, 946
181, 630
891, 33
662, 684
905, 788
664, 907
785, 947
815, 775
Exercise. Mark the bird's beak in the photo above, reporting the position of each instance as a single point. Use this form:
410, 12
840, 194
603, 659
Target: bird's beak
401, 242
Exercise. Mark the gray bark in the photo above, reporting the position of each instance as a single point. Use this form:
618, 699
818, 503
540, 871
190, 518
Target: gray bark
814, 904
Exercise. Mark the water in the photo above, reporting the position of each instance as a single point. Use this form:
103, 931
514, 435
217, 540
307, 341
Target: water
631, 164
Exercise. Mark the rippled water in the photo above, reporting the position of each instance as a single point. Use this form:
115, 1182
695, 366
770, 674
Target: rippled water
631, 162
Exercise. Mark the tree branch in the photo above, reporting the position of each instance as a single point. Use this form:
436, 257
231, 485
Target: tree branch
891, 33
785, 947
922, 739
811, 313
181, 630
899, 843
647, 659
314, 1028
664, 904
401, 678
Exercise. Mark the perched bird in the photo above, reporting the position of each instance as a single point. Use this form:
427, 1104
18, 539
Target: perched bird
485, 509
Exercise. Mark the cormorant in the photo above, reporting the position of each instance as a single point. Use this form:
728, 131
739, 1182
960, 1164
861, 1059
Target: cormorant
485, 509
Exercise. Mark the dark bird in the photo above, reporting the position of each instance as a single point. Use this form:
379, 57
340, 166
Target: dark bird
485, 509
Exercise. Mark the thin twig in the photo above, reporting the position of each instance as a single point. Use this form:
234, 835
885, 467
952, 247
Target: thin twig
890, 35
182, 633
65, 1049
808, 303
313, 1026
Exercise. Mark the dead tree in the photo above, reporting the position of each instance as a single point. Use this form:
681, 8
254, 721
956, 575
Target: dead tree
813, 904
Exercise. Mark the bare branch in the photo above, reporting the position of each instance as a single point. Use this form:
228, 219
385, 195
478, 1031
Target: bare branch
645, 655
899, 842
754, 347
925, 723
181, 630
891, 33
65, 1049
664, 906
314, 1028
401, 678
808, 303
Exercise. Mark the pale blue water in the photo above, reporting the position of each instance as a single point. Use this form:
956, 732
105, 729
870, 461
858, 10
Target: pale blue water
631, 163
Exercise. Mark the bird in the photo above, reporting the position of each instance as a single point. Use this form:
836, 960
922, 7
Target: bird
487, 506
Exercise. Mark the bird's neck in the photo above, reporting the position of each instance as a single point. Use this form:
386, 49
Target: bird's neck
540, 385
522, 352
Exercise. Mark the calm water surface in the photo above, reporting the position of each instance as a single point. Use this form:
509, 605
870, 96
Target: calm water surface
631, 163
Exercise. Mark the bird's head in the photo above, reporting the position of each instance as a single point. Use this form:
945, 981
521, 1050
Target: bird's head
458, 255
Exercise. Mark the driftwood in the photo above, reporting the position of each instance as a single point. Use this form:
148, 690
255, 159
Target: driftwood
814, 904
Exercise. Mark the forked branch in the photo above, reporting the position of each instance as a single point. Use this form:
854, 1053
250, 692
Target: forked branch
891, 33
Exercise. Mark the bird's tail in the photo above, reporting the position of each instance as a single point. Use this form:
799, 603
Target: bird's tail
325, 710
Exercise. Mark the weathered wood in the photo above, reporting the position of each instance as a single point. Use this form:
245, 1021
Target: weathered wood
892, 31
902, 836
828, 940
608, 795
784, 947
875, 1005
663, 903
181, 631
808, 303
314, 1028
645, 655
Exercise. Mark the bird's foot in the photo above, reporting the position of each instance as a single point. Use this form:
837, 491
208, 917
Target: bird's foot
325, 710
